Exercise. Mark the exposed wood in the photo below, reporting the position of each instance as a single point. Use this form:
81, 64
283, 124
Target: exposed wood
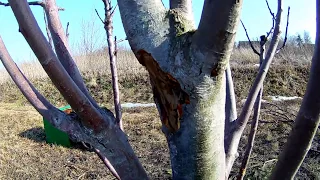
166, 90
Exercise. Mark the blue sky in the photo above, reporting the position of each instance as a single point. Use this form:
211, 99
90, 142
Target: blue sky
255, 15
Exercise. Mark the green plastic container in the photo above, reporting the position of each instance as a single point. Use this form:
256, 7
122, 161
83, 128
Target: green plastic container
54, 135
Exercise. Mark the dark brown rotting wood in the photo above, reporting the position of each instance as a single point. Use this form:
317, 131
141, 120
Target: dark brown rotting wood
167, 92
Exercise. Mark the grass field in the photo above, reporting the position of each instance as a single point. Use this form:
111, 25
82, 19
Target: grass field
24, 154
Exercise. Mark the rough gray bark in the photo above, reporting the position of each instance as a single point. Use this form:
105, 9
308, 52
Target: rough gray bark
184, 7
188, 81
307, 120
234, 138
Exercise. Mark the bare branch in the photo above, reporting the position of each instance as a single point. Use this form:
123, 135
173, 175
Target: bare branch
272, 14
99, 16
252, 47
230, 108
107, 163
273, 20
112, 49
286, 33
91, 117
242, 120
114, 9
255, 121
306, 122
62, 48
35, 3
28, 90
121, 40
67, 31
47, 29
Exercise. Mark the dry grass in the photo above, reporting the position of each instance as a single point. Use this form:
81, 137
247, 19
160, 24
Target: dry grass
24, 153
95, 63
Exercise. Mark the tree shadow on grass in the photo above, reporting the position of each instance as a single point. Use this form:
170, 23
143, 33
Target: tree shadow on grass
36, 134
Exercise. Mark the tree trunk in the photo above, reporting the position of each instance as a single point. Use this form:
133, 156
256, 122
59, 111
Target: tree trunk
188, 81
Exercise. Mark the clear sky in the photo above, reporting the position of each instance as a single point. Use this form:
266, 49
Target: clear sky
255, 15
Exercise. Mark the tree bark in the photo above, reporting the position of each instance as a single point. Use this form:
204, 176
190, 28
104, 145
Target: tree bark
108, 26
62, 47
231, 104
307, 120
188, 81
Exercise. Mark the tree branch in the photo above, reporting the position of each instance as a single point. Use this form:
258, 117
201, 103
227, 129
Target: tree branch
184, 6
307, 120
273, 20
33, 3
67, 31
286, 33
217, 27
242, 120
108, 26
70, 91
47, 29
231, 104
134, 13
252, 47
62, 48
28, 90
255, 121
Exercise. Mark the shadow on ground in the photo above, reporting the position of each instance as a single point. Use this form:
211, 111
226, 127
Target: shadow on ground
36, 134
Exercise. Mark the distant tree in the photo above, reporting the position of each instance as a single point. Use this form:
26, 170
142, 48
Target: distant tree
306, 37
299, 40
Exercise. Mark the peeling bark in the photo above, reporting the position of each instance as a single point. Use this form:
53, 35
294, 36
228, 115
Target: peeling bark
167, 92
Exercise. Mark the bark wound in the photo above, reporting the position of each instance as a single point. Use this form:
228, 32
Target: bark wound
215, 71
167, 92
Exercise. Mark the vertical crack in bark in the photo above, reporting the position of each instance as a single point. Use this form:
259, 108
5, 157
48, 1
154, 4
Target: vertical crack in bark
167, 92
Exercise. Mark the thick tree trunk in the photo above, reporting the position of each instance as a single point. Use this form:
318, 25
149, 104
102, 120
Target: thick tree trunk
188, 81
